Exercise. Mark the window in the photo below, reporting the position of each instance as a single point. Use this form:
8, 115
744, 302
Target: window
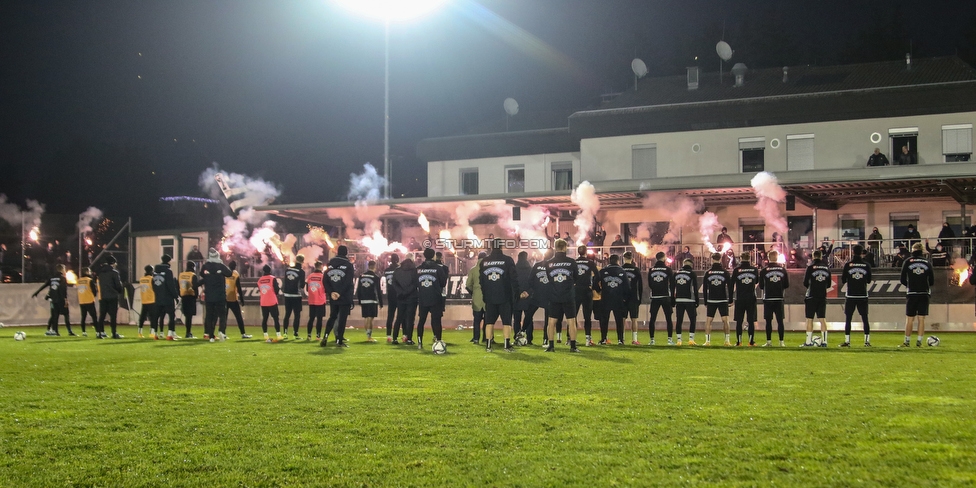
900, 223
956, 222
655, 233
752, 154
166, 245
644, 160
799, 152
562, 176
851, 229
752, 234
515, 176
469, 181
903, 146
957, 142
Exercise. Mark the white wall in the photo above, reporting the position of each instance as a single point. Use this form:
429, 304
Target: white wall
838, 145
443, 177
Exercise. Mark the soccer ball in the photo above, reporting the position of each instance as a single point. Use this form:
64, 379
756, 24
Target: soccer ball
19, 336
439, 347
817, 340
932, 341
520, 339
1, 325
460, 327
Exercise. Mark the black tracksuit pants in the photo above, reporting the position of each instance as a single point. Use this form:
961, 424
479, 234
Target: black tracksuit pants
235, 307
664, 304
406, 314
391, 315
216, 313
269, 311
315, 314
86, 310
682, 308
107, 308
585, 300
527, 325
436, 313
293, 305
338, 313
162, 311
477, 323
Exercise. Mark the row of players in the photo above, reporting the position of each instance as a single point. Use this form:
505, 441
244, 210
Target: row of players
560, 286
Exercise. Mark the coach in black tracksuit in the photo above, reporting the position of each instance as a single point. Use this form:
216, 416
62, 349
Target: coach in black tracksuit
294, 283
391, 300
499, 285
774, 280
857, 277
660, 282
215, 274
615, 289
523, 268
744, 281
167, 293
405, 289
110, 289
561, 270
339, 285
538, 299
685, 297
585, 275
431, 279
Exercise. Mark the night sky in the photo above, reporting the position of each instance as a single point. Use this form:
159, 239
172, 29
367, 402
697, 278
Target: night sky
116, 103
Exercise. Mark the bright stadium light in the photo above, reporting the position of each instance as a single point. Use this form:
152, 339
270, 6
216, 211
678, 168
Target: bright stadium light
389, 11
392, 10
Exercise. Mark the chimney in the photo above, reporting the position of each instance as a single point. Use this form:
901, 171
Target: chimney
693, 77
739, 71
908, 61
786, 70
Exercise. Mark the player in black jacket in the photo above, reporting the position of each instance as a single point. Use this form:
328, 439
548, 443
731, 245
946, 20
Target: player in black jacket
917, 275
817, 281
215, 274
167, 294
523, 269
292, 287
431, 280
499, 285
538, 298
615, 290
391, 301
370, 297
561, 270
57, 295
339, 285
857, 277
109, 291
685, 297
717, 284
585, 275
774, 280
660, 282
744, 281
405, 289
637, 294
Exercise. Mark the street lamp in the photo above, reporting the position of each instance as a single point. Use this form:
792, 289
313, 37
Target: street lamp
389, 11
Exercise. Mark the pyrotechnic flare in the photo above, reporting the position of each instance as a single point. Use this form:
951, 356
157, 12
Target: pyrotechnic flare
585, 197
424, 223
707, 225
961, 269
87, 218
16, 217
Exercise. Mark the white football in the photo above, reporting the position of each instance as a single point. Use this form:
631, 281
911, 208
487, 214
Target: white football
817, 340
520, 339
460, 327
439, 347
19, 336
933, 341
1, 325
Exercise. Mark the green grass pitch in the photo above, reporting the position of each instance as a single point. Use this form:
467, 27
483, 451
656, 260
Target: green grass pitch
84, 412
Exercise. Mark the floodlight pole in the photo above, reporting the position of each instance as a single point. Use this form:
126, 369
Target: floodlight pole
386, 112
23, 250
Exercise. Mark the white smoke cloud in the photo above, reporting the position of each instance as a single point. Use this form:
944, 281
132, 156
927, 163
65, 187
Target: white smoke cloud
585, 197
246, 231
87, 218
367, 187
253, 191
707, 225
14, 215
769, 195
682, 210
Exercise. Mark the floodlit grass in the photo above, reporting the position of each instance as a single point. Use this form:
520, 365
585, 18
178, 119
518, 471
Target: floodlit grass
77, 411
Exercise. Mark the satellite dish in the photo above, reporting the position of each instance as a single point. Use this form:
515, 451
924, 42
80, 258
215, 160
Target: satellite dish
640, 69
511, 106
724, 50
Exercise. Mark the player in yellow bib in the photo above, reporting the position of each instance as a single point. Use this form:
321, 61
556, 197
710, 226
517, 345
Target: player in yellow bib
189, 283
148, 298
87, 289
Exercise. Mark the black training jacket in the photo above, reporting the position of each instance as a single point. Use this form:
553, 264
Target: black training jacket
614, 287
817, 280
499, 280
660, 280
431, 280
857, 276
215, 281
686, 286
917, 275
774, 281
368, 289
744, 280
718, 285
562, 278
339, 279
294, 282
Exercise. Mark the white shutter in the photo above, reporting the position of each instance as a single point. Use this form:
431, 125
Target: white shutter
799, 153
957, 139
644, 159
752, 143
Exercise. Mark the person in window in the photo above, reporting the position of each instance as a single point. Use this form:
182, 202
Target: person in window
905, 157
414, 245
874, 241
827, 250
878, 159
946, 235
912, 235
684, 254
